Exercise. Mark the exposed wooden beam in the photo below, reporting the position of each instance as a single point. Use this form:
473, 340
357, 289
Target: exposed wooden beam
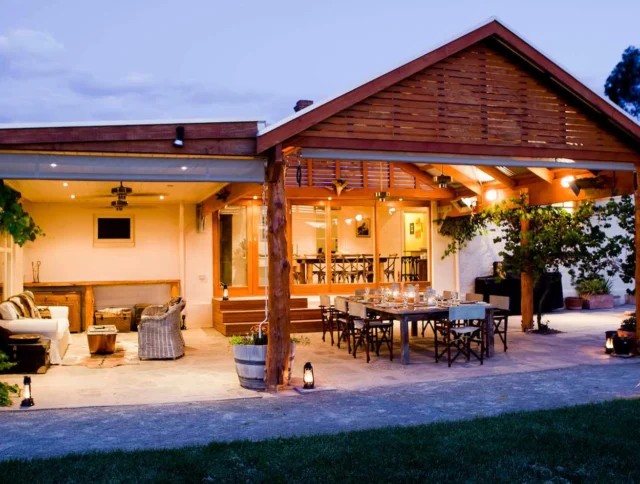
423, 177
460, 177
235, 191
369, 193
544, 173
503, 178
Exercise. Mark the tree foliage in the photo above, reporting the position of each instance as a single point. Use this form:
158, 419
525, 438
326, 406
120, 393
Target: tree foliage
623, 212
13, 219
623, 84
555, 238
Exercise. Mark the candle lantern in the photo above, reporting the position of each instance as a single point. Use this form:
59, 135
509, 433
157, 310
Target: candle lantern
27, 400
308, 378
395, 291
608, 344
430, 296
410, 293
225, 292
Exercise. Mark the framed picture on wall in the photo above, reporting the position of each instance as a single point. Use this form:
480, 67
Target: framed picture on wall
412, 228
363, 228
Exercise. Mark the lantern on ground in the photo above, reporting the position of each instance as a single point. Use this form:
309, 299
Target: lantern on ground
225, 292
608, 344
307, 377
27, 401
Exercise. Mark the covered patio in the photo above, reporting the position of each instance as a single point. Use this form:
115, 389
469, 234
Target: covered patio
341, 196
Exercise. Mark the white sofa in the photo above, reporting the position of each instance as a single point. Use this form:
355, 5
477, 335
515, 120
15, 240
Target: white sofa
56, 329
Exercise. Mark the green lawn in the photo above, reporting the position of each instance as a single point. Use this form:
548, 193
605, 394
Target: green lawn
592, 443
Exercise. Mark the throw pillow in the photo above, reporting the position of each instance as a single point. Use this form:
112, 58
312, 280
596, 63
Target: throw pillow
29, 303
17, 302
8, 311
45, 313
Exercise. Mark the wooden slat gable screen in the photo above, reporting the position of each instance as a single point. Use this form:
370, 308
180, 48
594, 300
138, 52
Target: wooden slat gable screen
479, 96
373, 175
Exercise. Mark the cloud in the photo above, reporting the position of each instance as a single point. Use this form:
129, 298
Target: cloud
39, 83
30, 42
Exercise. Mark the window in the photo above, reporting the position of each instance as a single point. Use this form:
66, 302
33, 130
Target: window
308, 229
113, 231
568, 206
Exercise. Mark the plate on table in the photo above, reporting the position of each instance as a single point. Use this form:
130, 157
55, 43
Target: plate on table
24, 338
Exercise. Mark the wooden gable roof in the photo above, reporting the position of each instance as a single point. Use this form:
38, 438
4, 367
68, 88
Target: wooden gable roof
486, 93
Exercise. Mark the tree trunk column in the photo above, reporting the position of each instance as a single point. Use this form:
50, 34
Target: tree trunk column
526, 287
636, 198
278, 345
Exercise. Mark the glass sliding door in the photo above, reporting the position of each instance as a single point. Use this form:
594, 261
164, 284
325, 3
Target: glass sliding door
233, 260
352, 241
309, 244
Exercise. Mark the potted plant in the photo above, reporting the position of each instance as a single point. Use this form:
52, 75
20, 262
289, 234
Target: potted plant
596, 293
5, 389
573, 303
250, 355
624, 342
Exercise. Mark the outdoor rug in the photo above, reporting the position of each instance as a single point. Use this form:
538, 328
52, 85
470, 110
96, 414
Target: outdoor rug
126, 354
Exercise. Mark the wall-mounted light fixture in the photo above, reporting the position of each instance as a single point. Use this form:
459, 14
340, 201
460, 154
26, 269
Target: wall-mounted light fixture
179, 141
491, 195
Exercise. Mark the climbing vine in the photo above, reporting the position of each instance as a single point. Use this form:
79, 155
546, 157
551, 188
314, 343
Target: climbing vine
13, 218
462, 230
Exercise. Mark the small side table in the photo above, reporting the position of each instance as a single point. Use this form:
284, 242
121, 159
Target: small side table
30, 357
102, 339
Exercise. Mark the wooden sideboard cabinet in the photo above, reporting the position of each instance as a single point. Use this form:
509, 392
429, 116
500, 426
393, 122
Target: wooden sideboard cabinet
73, 300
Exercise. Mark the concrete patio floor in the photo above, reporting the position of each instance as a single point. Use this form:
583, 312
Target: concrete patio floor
207, 373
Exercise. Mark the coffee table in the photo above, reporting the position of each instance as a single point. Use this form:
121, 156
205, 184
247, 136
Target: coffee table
102, 339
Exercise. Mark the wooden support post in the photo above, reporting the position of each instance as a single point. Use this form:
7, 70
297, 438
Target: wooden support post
637, 242
89, 306
278, 345
526, 288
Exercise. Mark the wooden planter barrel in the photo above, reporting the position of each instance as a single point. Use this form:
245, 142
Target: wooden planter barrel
251, 365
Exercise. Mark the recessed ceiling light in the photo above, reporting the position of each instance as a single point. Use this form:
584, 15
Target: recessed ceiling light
53, 165
65, 184
161, 197
183, 168
73, 196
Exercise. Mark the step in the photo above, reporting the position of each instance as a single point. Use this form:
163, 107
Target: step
303, 326
252, 304
257, 316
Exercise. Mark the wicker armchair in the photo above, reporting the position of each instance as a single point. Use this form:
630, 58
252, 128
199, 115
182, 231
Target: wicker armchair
159, 335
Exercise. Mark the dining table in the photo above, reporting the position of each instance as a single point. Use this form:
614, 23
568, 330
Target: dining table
416, 313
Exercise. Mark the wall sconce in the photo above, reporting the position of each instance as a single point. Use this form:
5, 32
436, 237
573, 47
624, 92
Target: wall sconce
608, 345
359, 218
309, 380
491, 195
348, 221
392, 210
225, 292
26, 393
179, 141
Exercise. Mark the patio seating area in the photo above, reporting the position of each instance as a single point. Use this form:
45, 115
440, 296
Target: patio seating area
206, 372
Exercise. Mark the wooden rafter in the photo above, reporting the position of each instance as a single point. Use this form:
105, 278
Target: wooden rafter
501, 177
458, 176
423, 177
234, 192
544, 173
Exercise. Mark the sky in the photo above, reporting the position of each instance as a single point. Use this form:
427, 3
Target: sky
90, 60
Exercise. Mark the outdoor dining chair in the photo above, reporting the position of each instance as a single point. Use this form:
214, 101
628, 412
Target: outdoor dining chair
342, 321
320, 268
369, 332
460, 338
473, 297
501, 317
338, 268
326, 312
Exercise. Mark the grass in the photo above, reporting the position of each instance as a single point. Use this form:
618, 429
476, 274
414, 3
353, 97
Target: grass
590, 443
